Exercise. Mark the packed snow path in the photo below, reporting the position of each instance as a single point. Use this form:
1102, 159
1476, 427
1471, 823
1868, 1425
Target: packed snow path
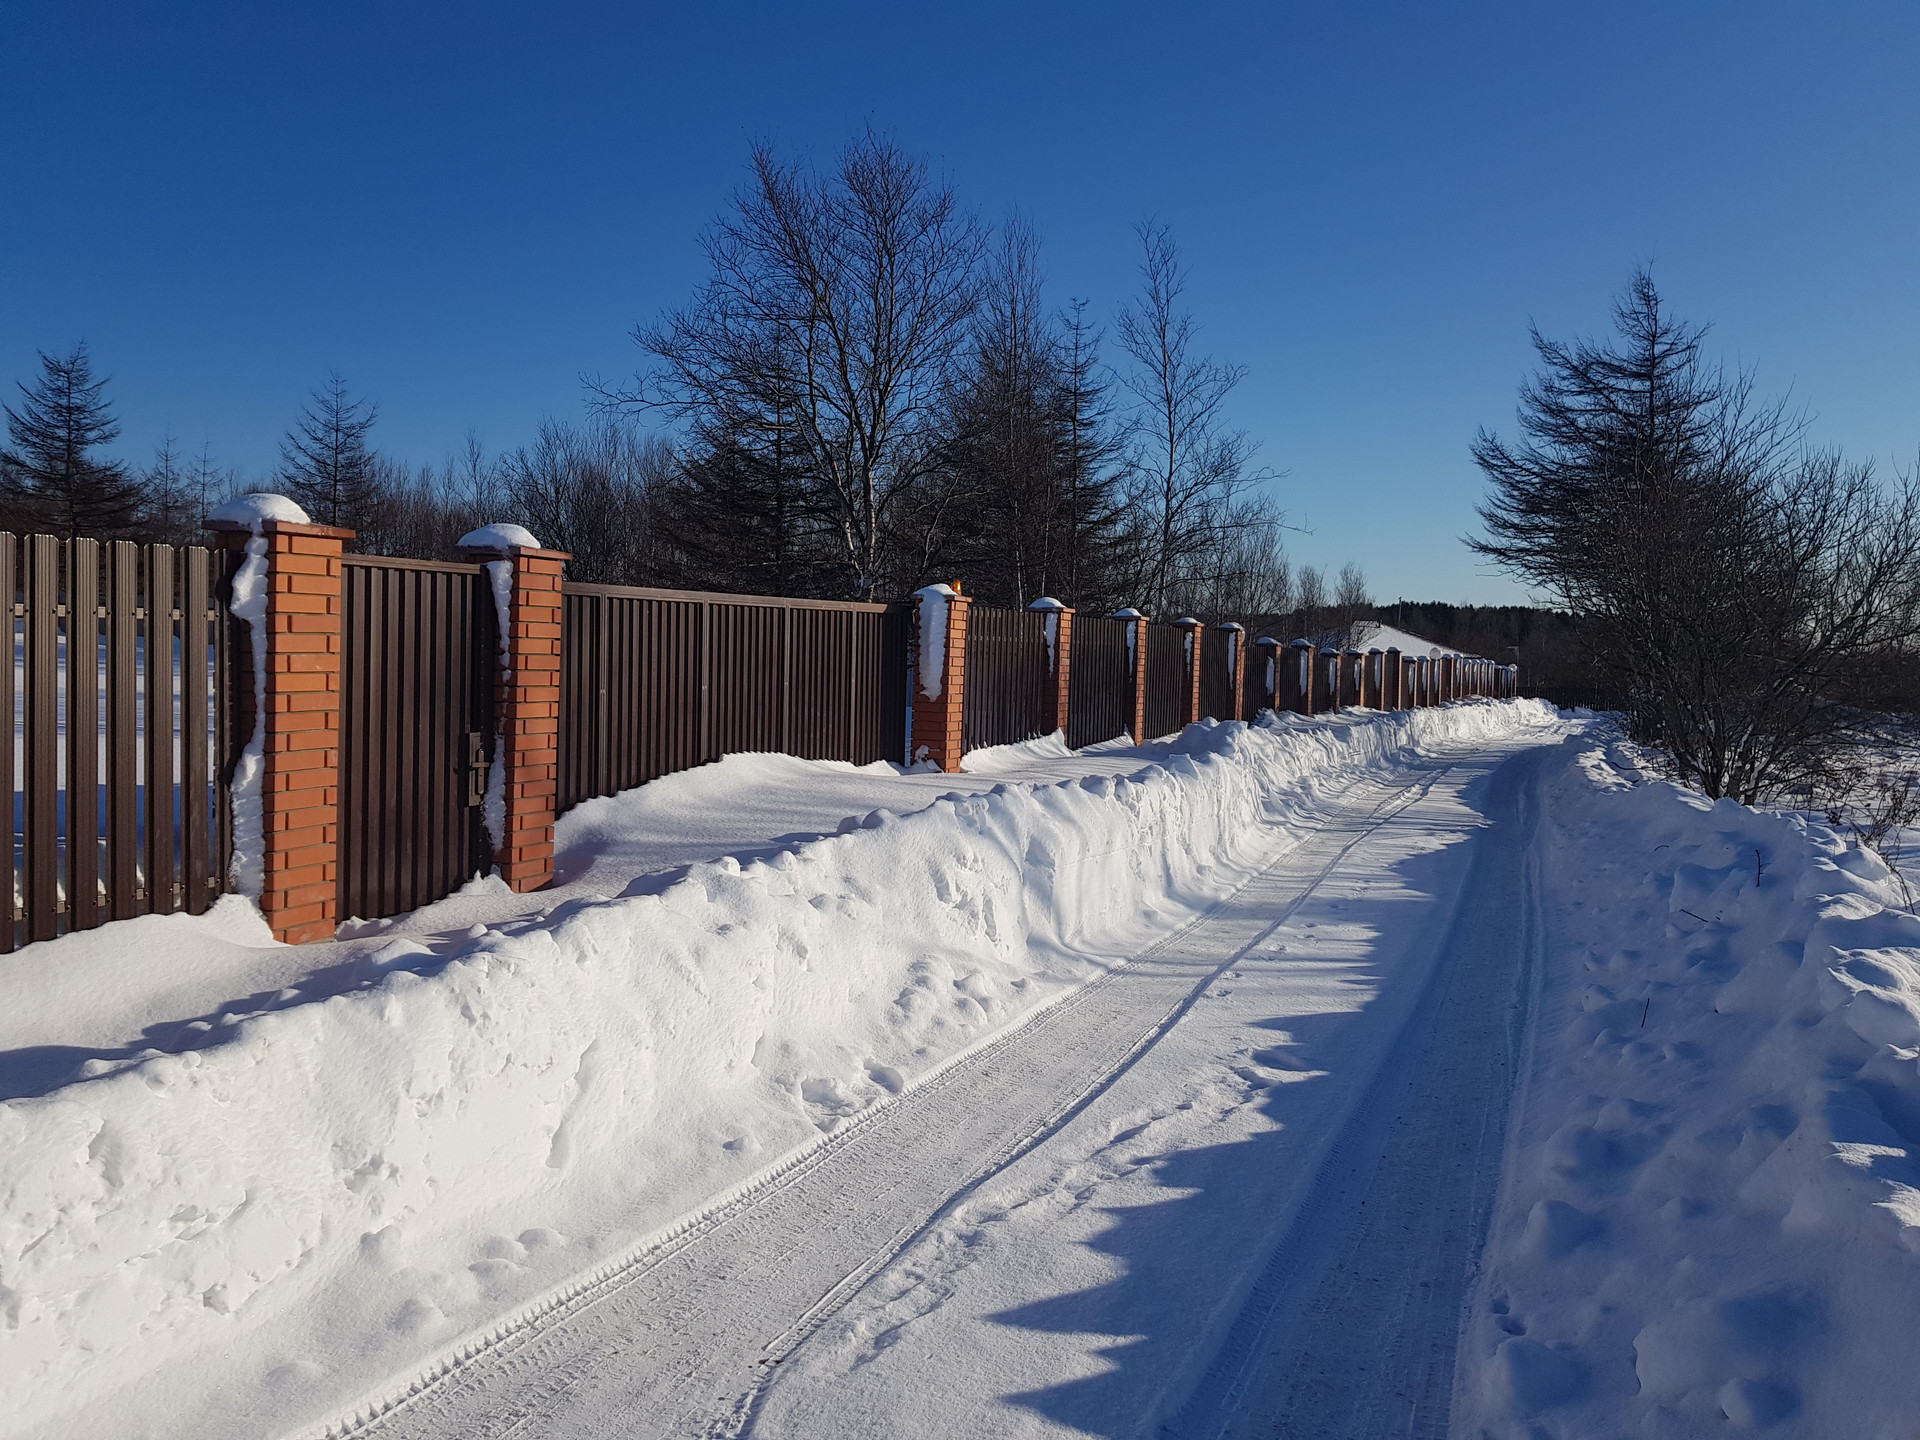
1234, 1187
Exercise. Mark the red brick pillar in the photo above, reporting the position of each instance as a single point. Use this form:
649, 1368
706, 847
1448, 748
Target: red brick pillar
1136, 672
529, 719
300, 779
1058, 619
940, 700
1192, 633
1235, 634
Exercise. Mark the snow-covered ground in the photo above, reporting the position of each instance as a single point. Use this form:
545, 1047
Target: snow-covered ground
377, 1151
1710, 1218
1156, 1087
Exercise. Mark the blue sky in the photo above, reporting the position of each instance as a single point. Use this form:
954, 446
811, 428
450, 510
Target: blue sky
464, 208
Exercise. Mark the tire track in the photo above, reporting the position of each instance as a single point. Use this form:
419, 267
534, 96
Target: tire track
677, 1337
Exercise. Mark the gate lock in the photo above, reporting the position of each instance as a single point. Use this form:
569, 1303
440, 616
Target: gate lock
476, 769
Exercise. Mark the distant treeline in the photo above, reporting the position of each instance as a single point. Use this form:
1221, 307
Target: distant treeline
869, 391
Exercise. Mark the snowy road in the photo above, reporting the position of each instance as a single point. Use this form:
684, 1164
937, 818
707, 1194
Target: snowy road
1158, 1206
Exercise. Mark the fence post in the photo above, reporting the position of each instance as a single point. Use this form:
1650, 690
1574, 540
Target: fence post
1270, 656
299, 724
1236, 667
527, 704
940, 677
1192, 631
1136, 671
1058, 619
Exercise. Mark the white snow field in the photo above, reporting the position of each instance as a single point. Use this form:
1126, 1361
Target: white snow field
1423, 1074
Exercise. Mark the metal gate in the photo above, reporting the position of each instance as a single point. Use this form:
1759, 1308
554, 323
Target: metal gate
419, 661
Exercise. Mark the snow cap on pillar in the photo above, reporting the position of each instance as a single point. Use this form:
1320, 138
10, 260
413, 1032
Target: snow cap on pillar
257, 506
1046, 602
499, 538
1129, 613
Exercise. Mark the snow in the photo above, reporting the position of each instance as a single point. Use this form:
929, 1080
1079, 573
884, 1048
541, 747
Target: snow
499, 537
256, 507
1051, 608
331, 1184
1707, 1219
1002, 759
1710, 1214
249, 603
500, 578
932, 653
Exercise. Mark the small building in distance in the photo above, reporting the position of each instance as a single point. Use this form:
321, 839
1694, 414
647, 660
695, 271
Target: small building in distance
1372, 635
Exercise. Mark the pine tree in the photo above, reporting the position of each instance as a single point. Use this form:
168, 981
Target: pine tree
52, 480
327, 466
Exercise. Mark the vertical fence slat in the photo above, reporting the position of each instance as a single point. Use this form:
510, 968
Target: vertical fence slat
9, 584
159, 727
83, 734
196, 849
123, 731
42, 778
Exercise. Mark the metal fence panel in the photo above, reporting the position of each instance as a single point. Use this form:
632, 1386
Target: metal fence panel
1099, 699
1166, 679
108, 781
654, 681
1217, 697
1006, 675
418, 672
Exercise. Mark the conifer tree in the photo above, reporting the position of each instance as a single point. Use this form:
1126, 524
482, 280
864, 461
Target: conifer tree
327, 466
51, 479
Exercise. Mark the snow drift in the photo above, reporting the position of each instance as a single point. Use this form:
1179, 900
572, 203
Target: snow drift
1710, 1216
330, 1192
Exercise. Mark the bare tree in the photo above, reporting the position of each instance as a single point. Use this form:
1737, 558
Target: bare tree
1745, 593
173, 509
591, 492
833, 320
1187, 466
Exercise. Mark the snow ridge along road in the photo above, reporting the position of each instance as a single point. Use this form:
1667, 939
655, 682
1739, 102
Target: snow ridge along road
779, 1310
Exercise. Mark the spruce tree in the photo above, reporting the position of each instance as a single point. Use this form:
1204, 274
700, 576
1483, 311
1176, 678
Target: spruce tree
327, 466
53, 481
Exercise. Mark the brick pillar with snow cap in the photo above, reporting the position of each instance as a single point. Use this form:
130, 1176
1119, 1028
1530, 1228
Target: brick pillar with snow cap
939, 676
523, 782
1191, 634
1136, 672
285, 786
1058, 619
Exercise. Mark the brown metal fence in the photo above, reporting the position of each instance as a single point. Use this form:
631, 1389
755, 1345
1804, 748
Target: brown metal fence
1166, 679
115, 656
1006, 676
1216, 674
419, 662
1099, 698
653, 681
1258, 682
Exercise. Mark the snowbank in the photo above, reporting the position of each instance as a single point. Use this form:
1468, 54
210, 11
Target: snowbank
1710, 1215
237, 1237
